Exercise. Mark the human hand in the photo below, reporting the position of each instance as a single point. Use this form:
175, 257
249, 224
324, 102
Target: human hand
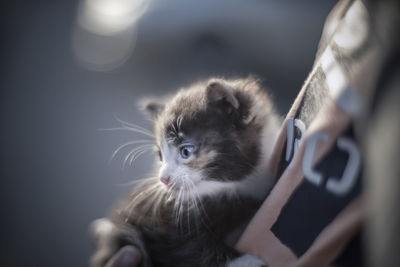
127, 256
107, 237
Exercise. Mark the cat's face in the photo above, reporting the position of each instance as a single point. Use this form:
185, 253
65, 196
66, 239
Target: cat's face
209, 136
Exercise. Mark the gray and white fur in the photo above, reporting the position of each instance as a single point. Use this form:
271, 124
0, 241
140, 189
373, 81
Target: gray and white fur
214, 141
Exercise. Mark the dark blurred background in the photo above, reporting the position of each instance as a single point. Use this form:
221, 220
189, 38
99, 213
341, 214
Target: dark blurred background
68, 68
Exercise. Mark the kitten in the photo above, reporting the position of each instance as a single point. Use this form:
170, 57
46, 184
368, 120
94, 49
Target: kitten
214, 140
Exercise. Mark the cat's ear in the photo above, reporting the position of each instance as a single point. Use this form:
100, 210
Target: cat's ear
152, 106
217, 91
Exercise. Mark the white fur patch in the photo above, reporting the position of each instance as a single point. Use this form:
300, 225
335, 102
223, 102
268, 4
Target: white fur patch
246, 260
214, 187
100, 228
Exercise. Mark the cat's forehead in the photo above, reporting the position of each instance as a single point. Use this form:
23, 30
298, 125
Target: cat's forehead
186, 117
180, 127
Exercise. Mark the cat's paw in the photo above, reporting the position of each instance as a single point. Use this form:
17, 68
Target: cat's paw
105, 236
115, 244
246, 260
101, 228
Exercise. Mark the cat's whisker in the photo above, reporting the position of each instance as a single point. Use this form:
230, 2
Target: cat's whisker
134, 127
170, 191
189, 205
142, 141
126, 128
179, 122
154, 200
188, 199
193, 198
177, 213
181, 206
138, 154
159, 197
148, 191
135, 201
134, 152
199, 205
184, 211
133, 182
196, 202
178, 200
174, 128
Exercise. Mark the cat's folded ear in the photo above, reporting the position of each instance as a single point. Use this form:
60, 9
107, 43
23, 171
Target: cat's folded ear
152, 106
217, 91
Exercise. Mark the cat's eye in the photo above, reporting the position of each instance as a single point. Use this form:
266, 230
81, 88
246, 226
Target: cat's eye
185, 151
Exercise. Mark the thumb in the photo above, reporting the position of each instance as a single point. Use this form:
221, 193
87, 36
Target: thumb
128, 256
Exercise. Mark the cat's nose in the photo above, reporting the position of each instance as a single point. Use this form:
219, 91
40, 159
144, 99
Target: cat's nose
165, 179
